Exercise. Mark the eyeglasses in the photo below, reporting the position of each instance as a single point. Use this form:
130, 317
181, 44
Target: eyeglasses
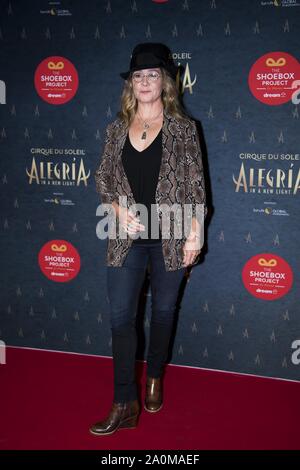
151, 76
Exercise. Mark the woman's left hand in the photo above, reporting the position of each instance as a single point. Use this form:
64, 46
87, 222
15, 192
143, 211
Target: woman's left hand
190, 250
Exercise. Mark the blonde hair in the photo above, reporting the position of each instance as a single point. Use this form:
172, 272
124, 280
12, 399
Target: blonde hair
170, 98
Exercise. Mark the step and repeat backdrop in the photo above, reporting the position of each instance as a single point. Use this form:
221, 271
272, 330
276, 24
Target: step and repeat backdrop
60, 87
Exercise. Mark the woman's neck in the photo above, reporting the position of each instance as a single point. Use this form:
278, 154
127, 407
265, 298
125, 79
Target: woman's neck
149, 110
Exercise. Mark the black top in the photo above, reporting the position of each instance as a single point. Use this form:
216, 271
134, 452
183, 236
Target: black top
142, 170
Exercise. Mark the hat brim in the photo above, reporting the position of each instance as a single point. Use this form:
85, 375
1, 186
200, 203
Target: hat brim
171, 70
140, 67
125, 75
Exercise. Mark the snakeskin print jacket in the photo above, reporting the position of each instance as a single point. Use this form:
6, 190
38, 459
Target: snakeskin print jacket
180, 181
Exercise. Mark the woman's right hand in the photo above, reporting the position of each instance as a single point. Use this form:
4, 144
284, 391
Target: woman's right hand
130, 223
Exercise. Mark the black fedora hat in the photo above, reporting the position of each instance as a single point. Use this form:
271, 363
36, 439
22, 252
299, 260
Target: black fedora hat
151, 55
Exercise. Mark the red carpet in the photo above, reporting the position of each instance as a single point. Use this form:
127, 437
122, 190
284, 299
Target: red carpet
49, 399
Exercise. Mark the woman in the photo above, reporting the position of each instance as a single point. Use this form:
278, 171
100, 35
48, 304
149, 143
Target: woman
151, 162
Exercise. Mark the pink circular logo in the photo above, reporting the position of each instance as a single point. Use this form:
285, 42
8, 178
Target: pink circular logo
267, 276
271, 78
59, 261
56, 80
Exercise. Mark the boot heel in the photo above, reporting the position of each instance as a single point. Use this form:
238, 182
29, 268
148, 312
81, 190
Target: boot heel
129, 422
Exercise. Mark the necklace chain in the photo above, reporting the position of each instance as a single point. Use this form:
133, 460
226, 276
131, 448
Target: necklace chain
146, 124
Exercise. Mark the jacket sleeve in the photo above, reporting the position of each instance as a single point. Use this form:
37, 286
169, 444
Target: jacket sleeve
104, 175
195, 175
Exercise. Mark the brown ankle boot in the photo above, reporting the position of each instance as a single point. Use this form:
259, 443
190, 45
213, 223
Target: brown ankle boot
153, 398
122, 415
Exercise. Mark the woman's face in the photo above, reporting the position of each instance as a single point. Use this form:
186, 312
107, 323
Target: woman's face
147, 91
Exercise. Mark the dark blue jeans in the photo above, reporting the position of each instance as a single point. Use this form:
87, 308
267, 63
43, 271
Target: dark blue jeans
123, 288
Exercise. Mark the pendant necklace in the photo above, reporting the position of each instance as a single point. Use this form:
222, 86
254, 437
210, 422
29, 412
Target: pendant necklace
146, 124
